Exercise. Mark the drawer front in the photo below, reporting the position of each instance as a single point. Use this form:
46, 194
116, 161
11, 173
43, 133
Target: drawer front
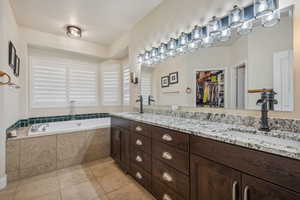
171, 177
141, 142
141, 176
275, 169
162, 192
141, 128
174, 138
171, 156
141, 159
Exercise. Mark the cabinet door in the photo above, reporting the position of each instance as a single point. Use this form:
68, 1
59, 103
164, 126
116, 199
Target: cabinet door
257, 189
212, 181
116, 144
125, 149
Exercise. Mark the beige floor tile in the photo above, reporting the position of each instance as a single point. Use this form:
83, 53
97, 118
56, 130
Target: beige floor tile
98, 162
51, 196
114, 181
130, 192
73, 176
82, 191
9, 192
36, 188
38, 178
104, 169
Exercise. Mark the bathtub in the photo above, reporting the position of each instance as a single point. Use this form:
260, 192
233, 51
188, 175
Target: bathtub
68, 126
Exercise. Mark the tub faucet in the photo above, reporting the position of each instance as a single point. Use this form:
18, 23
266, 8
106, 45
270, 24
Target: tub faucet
266, 102
140, 100
72, 109
150, 99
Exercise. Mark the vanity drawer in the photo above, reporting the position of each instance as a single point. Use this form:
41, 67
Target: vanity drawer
141, 128
273, 168
141, 176
122, 123
173, 138
141, 159
171, 156
171, 178
141, 142
162, 192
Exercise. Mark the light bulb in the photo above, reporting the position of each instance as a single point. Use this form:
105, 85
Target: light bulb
264, 7
245, 28
225, 35
140, 58
236, 17
214, 26
207, 41
271, 19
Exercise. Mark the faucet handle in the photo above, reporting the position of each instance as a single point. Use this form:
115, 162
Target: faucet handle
260, 102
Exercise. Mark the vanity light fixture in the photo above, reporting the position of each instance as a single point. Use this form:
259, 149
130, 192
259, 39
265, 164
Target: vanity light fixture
225, 35
196, 38
270, 19
162, 50
183, 42
236, 17
264, 7
214, 27
245, 28
154, 55
140, 58
73, 31
172, 46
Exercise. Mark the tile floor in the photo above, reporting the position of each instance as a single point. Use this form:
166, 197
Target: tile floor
98, 180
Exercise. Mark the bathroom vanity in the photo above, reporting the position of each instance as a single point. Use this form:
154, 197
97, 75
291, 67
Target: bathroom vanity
180, 159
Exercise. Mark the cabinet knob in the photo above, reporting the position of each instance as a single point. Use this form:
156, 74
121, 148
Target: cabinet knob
167, 177
246, 191
139, 142
234, 191
138, 175
167, 156
138, 129
167, 137
139, 159
166, 197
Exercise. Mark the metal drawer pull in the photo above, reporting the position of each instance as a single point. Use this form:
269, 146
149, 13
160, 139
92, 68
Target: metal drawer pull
167, 137
139, 159
138, 175
139, 142
235, 183
246, 191
167, 156
167, 177
166, 197
138, 129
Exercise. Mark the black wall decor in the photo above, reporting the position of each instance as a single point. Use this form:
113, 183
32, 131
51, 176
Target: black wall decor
165, 82
11, 55
173, 78
17, 66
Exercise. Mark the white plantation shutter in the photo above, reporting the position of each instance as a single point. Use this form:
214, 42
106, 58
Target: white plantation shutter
83, 87
55, 82
111, 86
49, 83
126, 86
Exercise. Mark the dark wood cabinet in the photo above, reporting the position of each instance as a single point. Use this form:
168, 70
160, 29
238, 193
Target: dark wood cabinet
257, 189
116, 144
212, 181
178, 166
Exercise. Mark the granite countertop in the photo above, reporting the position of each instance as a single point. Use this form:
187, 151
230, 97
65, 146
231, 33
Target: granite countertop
282, 143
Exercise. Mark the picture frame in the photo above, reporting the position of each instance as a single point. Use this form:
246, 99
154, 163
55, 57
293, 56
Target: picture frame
17, 66
11, 55
165, 82
173, 78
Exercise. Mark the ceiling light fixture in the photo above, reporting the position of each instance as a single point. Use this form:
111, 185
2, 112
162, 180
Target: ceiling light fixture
73, 31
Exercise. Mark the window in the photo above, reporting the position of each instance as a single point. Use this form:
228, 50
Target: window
55, 82
111, 86
126, 86
146, 85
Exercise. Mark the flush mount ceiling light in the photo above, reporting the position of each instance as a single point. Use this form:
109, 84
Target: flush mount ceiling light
239, 20
73, 31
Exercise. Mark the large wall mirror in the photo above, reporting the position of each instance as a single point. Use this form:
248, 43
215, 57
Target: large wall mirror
220, 76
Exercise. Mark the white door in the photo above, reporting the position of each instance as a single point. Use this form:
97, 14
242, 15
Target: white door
283, 80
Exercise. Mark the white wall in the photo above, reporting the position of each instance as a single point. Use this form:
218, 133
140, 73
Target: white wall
9, 97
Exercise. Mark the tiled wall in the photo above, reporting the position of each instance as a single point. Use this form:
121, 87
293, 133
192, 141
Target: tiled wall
33, 156
36, 120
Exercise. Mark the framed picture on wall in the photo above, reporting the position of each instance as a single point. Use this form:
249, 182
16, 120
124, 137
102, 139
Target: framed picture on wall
165, 81
17, 67
11, 55
173, 78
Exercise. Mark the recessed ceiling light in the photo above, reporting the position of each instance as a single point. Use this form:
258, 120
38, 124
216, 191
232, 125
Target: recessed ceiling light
73, 31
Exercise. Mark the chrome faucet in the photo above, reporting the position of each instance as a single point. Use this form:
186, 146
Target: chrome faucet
72, 109
266, 102
150, 99
140, 100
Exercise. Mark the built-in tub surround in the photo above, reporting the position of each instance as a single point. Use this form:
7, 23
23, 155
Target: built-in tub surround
29, 155
277, 142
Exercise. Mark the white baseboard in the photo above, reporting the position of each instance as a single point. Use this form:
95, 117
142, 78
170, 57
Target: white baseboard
3, 182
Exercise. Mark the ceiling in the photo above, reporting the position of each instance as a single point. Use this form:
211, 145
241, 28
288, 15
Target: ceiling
102, 21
